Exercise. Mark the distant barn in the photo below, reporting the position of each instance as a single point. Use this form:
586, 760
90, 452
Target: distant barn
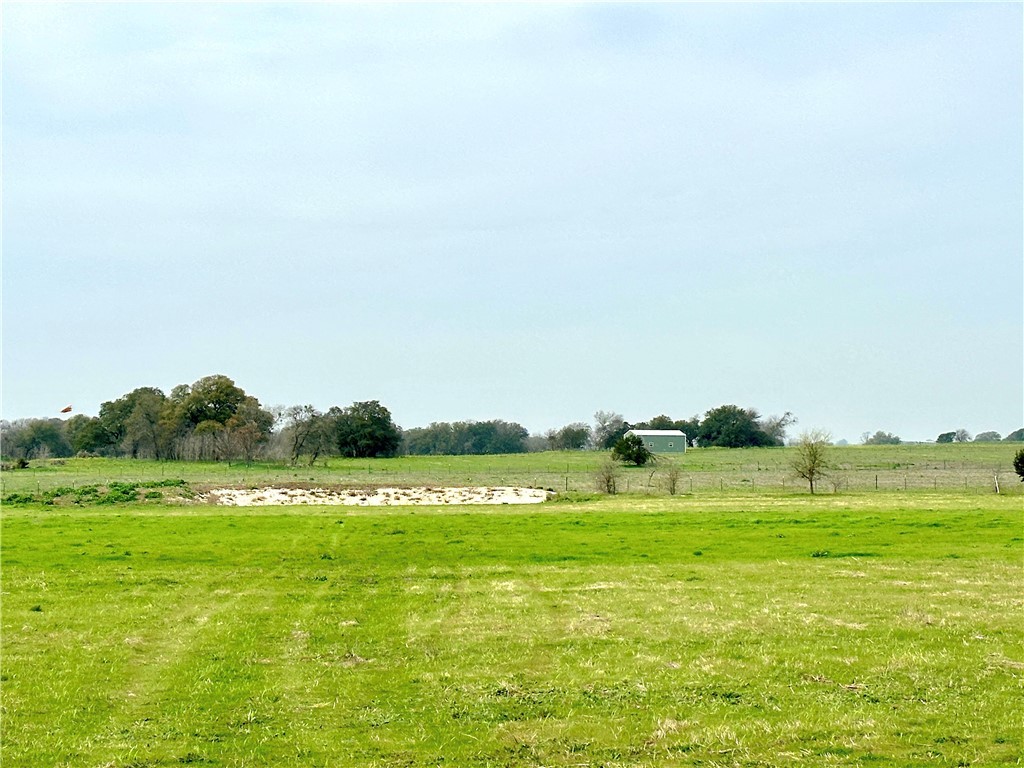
662, 440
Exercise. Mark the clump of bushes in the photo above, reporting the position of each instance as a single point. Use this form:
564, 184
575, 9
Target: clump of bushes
111, 493
19, 498
87, 493
169, 483
118, 493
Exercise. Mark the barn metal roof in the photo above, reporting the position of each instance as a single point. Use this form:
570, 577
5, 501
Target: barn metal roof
657, 432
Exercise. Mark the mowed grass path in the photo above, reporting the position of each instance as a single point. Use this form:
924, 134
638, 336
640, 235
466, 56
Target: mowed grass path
841, 630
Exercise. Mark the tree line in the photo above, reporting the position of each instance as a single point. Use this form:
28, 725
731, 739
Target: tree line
214, 419
211, 420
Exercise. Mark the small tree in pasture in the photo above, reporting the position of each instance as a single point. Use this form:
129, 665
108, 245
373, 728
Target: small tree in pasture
1018, 464
606, 477
631, 449
811, 461
673, 473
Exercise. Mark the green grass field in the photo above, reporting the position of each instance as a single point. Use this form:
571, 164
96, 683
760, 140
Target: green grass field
748, 627
970, 467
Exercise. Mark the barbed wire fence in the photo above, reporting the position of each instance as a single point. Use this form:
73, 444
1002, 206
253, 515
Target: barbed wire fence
653, 479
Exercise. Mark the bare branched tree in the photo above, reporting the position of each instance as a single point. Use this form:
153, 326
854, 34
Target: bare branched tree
775, 427
673, 473
606, 477
811, 461
301, 425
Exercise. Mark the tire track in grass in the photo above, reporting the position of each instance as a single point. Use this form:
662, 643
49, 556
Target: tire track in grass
343, 672
102, 675
194, 683
231, 706
159, 701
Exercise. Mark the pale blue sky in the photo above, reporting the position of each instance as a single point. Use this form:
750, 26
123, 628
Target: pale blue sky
526, 212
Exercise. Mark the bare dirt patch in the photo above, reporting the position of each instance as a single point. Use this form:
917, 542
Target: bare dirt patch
378, 497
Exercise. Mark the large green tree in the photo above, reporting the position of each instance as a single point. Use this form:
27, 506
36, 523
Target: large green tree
211, 419
212, 398
132, 422
464, 438
115, 414
86, 434
248, 429
364, 430
33, 439
571, 437
730, 426
434, 440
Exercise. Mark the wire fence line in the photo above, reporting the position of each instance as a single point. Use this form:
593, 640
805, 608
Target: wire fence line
696, 479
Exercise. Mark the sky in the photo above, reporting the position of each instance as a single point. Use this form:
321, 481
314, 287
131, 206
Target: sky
527, 212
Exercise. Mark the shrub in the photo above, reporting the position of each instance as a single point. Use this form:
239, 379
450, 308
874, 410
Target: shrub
572, 497
19, 498
119, 493
168, 483
87, 492
606, 476
672, 476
